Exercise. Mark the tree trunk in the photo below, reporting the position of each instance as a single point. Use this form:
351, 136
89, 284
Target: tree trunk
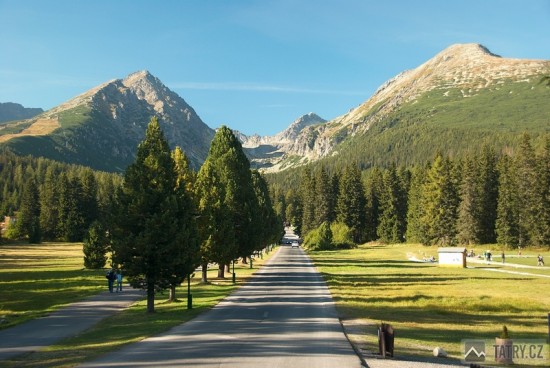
150, 296
172, 295
228, 268
204, 278
244, 260
221, 271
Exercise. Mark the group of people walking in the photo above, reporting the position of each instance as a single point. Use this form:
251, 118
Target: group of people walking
113, 276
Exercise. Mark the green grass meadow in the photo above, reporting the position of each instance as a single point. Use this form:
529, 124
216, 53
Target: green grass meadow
431, 306
37, 279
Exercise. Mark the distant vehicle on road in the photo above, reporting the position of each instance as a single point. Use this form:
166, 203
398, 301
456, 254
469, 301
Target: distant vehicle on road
295, 244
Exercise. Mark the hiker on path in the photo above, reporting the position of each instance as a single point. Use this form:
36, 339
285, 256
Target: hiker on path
111, 276
118, 281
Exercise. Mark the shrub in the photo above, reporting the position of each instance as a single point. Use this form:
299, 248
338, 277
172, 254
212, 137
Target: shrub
320, 238
342, 236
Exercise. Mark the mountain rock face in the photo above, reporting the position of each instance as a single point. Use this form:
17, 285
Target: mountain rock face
463, 89
102, 127
268, 152
10, 111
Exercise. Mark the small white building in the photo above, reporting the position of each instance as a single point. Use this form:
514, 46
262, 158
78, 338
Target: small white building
452, 256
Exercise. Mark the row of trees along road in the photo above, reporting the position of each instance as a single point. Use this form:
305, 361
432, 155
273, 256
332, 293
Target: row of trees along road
481, 198
167, 222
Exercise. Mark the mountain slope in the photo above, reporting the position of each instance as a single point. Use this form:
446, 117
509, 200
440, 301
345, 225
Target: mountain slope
102, 127
10, 111
452, 103
268, 152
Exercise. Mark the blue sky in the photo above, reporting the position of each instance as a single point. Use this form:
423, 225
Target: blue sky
254, 65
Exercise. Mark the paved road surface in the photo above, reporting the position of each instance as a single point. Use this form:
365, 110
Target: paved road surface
282, 317
69, 321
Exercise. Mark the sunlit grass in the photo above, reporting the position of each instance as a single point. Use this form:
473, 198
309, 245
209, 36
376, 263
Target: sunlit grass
429, 305
37, 279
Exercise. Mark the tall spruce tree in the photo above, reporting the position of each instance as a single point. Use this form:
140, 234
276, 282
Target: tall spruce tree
28, 221
95, 246
441, 199
72, 222
49, 203
541, 234
416, 229
392, 225
267, 221
351, 203
469, 211
233, 170
373, 192
151, 233
507, 222
323, 198
526, 170
307, 195
216, 230
488, 194
188, 234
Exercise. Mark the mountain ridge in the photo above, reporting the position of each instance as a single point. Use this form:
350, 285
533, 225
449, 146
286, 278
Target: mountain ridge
462, 89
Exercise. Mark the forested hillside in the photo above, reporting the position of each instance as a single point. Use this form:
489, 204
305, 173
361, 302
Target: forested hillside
483, 197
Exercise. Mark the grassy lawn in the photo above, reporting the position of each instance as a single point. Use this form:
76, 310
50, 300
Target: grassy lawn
36, 279
433, 306
63, 263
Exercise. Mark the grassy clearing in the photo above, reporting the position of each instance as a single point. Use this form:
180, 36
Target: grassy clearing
37, 279
129, 326
429, 305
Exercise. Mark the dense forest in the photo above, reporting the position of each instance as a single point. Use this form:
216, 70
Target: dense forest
483, 197
66, 198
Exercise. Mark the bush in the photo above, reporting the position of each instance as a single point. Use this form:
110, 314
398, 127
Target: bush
342, 236
320, 238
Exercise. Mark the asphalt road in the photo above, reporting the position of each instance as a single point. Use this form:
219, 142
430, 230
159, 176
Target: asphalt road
283, 317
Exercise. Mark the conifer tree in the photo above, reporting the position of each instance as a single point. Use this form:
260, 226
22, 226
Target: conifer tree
542, 225
233, 171
216, 230
28, 220
392, 226
49, 202
188, 234
267, 221
152, 233
71, 217
416, 229
307, 194
488, 194
294, 211
88, 201
440, 198
351, 203
95, 246
526, 171
469, 210
323, 198
507, 222
373, 190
